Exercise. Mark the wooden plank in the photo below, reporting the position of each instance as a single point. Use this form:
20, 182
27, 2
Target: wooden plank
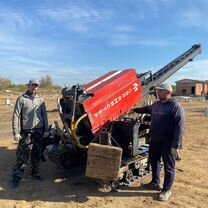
103, 162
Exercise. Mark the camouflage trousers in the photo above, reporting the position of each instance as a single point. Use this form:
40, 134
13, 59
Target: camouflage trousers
31, 146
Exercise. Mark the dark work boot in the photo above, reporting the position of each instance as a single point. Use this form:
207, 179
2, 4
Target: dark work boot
36, 177
154, 186
14, 184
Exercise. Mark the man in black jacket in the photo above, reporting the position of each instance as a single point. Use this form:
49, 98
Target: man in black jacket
166, 130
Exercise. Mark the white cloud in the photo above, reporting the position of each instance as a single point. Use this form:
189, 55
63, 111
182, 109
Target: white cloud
154, 6
124, 28
16, 20
21, 69
16, 34
27, 61
144, 9
128, 39
26, 42
78, 18
25, 49
193, 15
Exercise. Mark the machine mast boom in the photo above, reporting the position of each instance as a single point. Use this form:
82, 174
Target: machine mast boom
165, 72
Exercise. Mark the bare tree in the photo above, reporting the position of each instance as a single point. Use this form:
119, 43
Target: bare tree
4, 83
46, 82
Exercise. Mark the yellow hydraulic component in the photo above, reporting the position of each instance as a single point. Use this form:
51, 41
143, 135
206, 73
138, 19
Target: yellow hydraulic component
74, 126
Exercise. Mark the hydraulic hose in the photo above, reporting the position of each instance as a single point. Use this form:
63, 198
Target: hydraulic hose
74, 127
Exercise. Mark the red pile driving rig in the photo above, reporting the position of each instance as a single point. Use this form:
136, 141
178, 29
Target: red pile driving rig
97, 130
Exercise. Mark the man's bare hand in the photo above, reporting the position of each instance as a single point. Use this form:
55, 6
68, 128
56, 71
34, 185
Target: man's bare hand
176, 153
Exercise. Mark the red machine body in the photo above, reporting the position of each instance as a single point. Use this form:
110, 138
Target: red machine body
114, 94
86, 109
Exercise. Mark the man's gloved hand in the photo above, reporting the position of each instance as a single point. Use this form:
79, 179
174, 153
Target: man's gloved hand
46, 134
176, 153
17, 137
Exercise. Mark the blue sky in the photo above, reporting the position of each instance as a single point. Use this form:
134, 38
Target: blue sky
76, 41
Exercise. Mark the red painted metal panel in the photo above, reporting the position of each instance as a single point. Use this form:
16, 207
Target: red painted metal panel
114, 95
101, 79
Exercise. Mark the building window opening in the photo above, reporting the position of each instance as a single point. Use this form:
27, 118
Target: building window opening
184, 91
193, 90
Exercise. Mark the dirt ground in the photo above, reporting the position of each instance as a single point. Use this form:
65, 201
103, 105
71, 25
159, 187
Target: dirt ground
61, 188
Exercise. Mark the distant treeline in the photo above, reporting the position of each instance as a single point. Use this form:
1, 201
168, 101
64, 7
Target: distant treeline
46, 83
